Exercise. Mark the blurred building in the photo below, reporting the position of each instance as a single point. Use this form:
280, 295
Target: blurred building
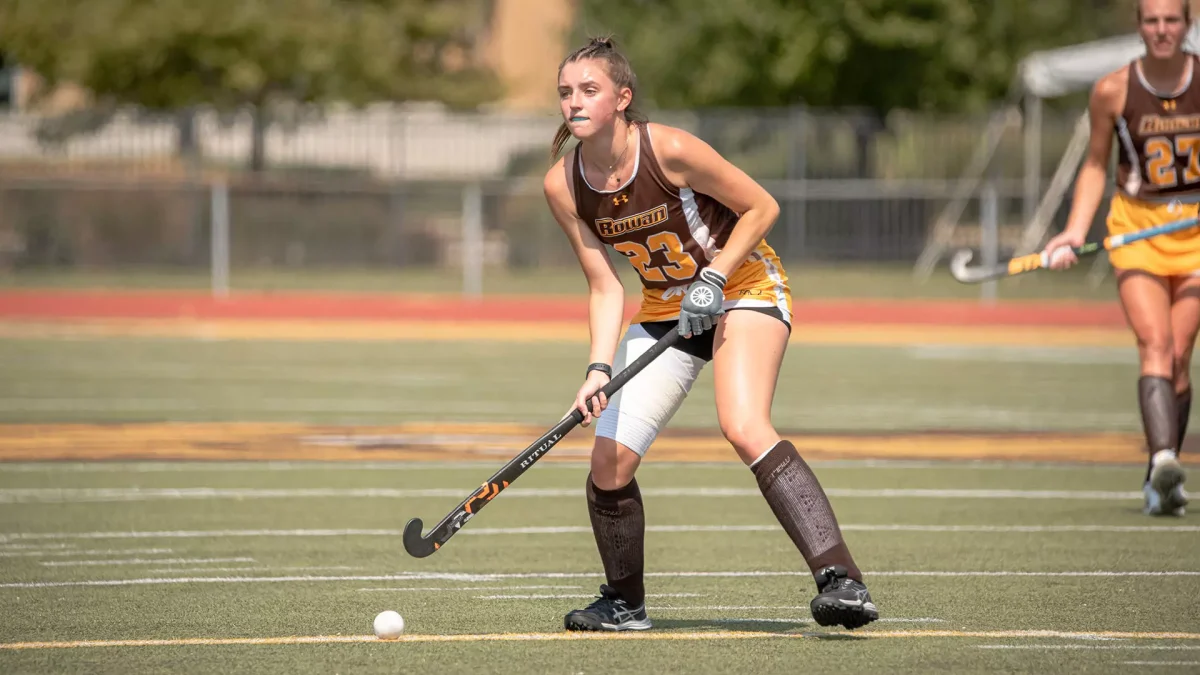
527, 40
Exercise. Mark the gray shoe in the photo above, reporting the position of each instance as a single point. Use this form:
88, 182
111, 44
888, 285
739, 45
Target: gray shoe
1166, 480
609, 612
1172, 504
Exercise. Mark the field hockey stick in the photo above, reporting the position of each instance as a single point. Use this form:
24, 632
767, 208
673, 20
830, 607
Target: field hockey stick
420, 546
1038, 261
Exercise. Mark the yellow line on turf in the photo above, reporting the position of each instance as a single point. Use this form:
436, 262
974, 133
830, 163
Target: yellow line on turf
473, 441
558, 637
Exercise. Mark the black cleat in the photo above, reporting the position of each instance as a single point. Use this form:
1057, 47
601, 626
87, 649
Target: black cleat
842, 600
608, 612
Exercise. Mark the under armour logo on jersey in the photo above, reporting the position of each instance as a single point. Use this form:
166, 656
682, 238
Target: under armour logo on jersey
620, 199
1168, 104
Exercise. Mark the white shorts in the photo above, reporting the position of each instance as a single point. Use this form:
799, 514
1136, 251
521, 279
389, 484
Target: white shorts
640, 409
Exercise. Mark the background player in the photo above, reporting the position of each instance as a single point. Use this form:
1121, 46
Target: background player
1152, 106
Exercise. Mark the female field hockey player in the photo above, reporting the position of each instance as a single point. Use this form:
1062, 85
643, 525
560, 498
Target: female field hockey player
1152, 106
692, 225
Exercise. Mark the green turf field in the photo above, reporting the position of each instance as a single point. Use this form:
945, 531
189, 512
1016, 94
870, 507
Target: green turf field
280, 567
821, 388
808, 280
103, 552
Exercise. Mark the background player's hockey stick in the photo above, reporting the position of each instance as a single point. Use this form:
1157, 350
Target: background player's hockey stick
421, 546
1037, 261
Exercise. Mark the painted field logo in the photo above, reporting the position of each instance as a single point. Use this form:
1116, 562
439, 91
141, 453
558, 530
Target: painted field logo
607, 227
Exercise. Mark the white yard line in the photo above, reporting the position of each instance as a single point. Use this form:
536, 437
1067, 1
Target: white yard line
565, 636
728, 608
142, 561
732, 466
804, 620
582, 529
94, 495
1166, 648
113, 551
502, 410
176, 570
553, 596
466, 577
255, 568
423, 589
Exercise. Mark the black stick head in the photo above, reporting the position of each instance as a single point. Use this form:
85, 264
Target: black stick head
416, 545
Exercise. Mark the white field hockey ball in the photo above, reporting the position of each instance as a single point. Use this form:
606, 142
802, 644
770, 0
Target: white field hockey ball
388, 625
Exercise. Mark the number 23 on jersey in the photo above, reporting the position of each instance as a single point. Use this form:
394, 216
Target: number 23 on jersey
680, 265
1160, 160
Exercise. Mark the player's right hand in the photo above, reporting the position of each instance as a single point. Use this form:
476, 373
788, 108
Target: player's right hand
591, 391
1058, 250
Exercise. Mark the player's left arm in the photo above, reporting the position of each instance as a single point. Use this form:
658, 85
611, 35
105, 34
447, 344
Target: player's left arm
698, 166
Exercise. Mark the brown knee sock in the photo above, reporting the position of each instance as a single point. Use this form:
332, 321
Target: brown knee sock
797, 500
1183, 408
1160, 419
619, 525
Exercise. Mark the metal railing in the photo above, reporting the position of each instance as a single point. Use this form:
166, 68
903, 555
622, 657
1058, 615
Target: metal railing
395, 188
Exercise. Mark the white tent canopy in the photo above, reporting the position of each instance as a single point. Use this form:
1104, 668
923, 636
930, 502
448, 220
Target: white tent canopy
1057, 72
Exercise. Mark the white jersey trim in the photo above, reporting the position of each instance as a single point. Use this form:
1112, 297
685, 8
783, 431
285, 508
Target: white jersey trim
1133, 182
1187, 82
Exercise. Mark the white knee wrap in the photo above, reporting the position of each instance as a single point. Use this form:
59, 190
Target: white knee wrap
640, 409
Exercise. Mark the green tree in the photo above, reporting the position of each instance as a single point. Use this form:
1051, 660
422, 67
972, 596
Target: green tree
171, 55
944, 55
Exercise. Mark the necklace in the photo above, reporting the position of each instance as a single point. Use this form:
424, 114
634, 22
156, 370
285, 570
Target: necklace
609, 171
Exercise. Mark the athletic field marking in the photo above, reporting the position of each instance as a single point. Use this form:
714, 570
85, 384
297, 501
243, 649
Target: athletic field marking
467, 588
805, 620
563, 332
1095, 647
1024, 529
912, 573
585, 596
175, 570
564, 636
142, 561
427, 407
71, 551
205, 466
9, 547
256, 568
1078, 355
726, 608
451, 576
1161, 663
582, 529
295, 372
91, 495
742, 608
723, 608
1113, 420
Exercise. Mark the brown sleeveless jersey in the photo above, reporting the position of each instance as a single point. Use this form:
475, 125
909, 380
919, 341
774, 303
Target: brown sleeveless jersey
669, 234
1158, 154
